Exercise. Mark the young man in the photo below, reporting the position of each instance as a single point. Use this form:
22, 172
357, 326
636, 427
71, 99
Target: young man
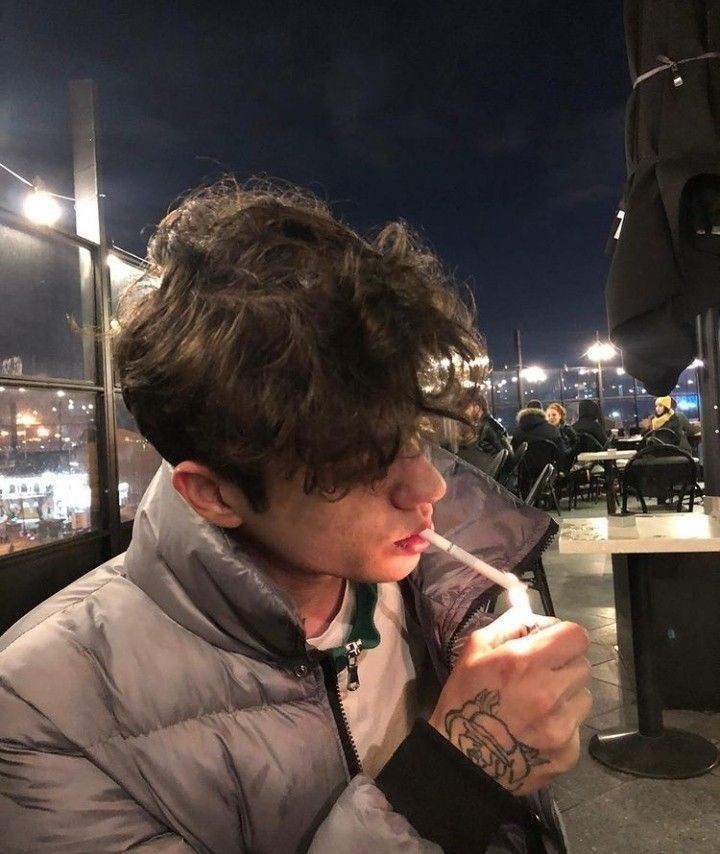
269, 636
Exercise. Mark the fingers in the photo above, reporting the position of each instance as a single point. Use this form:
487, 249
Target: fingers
555, 646
543, 622
508, 626
575, 676
558, 734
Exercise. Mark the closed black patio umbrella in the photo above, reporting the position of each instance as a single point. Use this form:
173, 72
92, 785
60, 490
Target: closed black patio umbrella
662, 297
666, 241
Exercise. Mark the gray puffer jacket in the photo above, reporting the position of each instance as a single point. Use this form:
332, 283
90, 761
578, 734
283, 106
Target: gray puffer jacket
165, 702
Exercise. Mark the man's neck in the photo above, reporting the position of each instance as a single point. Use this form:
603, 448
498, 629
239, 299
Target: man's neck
316, 597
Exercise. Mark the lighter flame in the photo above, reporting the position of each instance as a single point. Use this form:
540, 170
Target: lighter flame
519, 598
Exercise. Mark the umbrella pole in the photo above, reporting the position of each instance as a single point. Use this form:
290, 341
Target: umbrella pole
709, 376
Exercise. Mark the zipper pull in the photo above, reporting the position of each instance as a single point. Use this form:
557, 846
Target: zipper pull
353, 650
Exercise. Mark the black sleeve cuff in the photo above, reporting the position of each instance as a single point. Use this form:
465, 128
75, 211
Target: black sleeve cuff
444, 795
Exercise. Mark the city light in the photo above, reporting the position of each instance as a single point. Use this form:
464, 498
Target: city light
533, 374
41, 208
601, 351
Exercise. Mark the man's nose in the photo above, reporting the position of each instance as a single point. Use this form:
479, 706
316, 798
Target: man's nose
416, 482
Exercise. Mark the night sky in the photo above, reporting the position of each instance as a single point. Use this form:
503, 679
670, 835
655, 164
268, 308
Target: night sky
494, 128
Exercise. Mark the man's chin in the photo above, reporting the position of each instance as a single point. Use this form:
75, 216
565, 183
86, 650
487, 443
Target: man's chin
393, 570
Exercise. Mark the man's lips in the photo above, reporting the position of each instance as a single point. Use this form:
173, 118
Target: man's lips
414, 544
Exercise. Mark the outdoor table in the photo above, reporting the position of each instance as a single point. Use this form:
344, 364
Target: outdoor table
652, 750
628, 443
608, 460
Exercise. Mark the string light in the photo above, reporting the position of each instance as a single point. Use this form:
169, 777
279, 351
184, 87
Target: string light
39, 206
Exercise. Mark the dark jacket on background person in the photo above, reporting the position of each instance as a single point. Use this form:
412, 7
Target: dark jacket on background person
590, 421
167, 702
675, 424
492, 436
569, 440
686, 425
533, 425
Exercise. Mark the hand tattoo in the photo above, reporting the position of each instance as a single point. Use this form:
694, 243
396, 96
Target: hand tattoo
485, 739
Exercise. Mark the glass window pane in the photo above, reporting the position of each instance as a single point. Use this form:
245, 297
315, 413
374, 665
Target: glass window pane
541, 384
137, 461
579, 383
688, 405
48, 466
505, 390
45, 281
686, 384
616, 383
622, 411
507, 416
122, 274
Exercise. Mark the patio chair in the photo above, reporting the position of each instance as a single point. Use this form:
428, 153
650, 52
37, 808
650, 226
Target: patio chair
535, 577
585, 474
507, 477
489, 464
539, 454
659, 471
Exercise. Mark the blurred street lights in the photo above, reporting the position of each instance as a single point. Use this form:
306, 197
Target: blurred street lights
599, 352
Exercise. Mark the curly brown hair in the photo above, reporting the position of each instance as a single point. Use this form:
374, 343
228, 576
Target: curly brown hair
279, 334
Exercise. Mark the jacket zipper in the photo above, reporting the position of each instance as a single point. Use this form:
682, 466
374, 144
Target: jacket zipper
332, 686
353, 650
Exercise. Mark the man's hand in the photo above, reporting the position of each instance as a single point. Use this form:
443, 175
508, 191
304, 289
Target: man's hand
514, 702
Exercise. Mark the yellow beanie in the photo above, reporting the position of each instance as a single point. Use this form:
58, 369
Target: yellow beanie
664, 401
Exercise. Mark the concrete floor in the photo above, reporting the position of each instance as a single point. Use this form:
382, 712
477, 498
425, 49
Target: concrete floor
606, 811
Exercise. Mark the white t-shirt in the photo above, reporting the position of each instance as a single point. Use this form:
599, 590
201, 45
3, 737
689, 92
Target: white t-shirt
382, 710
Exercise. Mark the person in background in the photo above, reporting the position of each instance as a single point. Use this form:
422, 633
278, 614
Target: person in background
556, 415
590, 421
492, 437
534, 404
686, 425
666, 418
532, 425
480, 440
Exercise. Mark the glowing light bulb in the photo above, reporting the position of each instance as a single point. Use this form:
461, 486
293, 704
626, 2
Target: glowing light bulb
601, 351
41, 208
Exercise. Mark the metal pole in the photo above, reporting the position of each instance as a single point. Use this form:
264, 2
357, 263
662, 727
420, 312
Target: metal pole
518, 356
601, 398
90, 220
709, 377
637, 413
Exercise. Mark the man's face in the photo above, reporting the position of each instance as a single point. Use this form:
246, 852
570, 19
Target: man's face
368, 535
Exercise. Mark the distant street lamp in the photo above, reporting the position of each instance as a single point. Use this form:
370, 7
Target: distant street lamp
599, 352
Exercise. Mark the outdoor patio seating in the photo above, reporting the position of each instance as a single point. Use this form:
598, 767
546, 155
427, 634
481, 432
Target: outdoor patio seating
660, 471
539, 454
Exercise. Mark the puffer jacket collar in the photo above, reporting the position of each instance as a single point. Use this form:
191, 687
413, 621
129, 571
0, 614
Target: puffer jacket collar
205, 582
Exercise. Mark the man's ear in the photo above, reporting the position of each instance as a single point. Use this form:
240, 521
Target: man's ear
206, 493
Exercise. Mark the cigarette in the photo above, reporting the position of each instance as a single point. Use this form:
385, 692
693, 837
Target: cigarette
518, 593
504, 579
